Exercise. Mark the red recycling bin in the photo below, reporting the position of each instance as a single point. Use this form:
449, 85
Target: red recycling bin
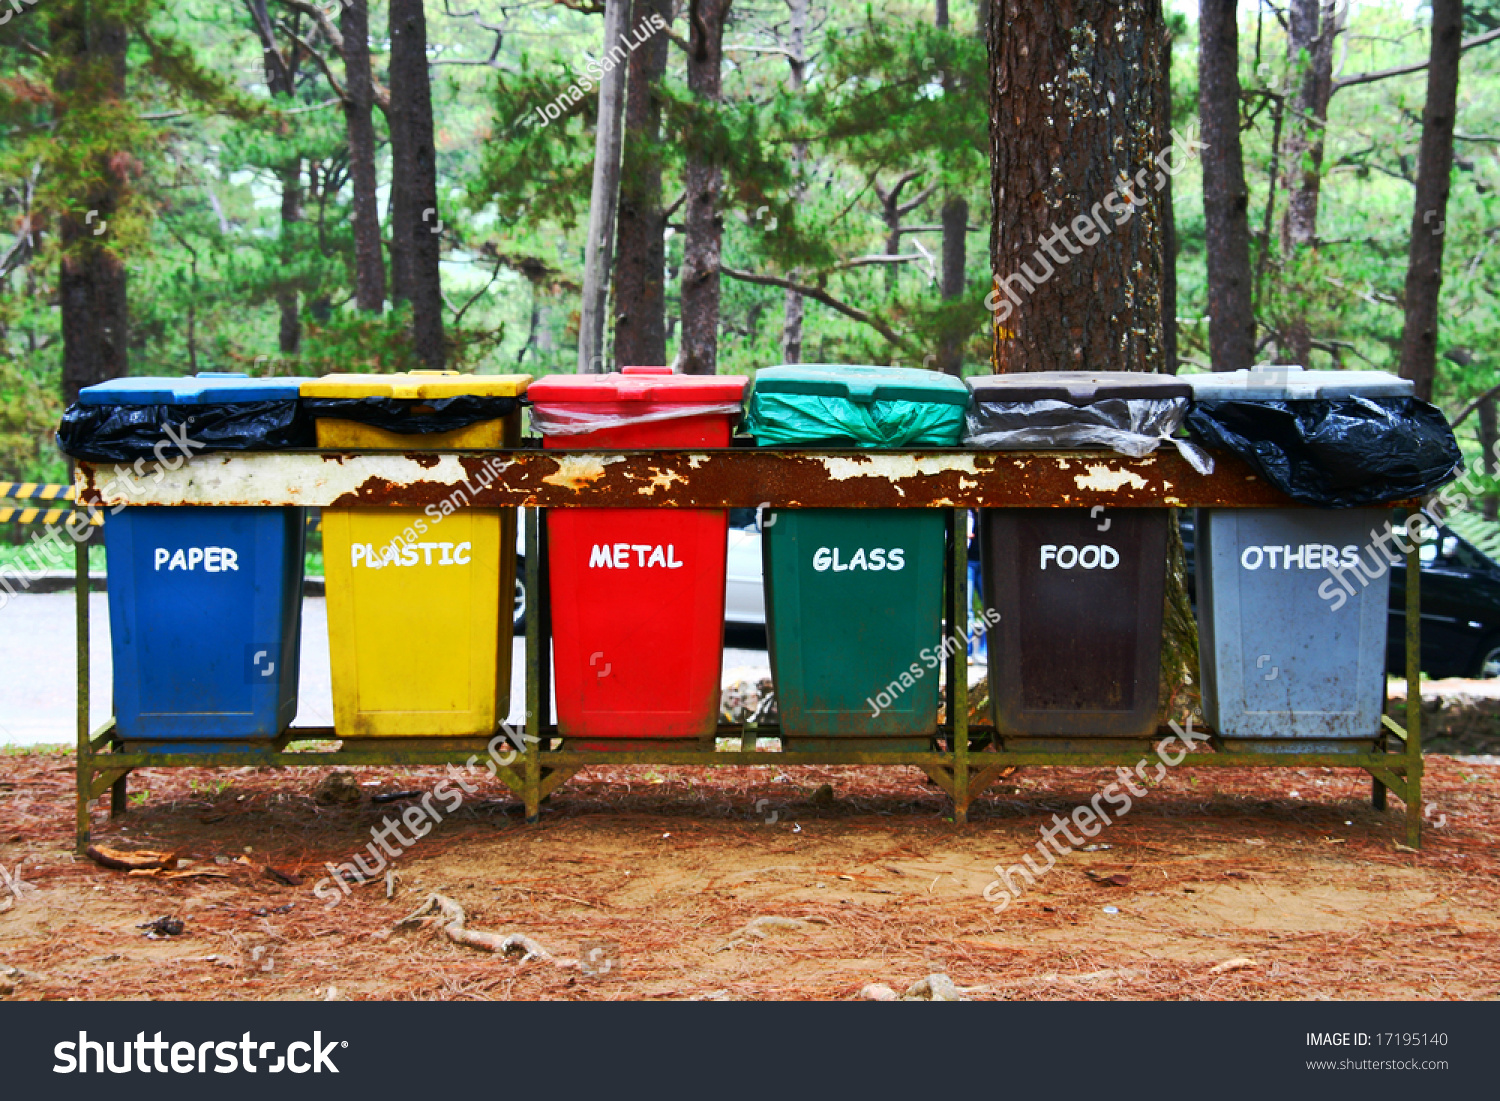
637, 593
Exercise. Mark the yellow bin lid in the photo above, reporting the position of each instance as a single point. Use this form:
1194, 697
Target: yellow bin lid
427, 385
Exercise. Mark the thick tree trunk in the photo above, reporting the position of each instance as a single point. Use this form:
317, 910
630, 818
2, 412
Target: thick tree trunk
604, 199
793, 306
704, 181
1076, 250
1424, 270
369, 262
414, 160
640, 253
91, 278
1312, 27
1226, 198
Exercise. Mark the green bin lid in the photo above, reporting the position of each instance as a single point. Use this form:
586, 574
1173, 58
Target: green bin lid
862, 384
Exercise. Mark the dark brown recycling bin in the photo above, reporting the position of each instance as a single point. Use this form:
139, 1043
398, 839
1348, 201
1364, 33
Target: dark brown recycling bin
1077, 649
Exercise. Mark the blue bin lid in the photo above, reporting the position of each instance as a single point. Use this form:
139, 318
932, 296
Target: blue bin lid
208, 388
862, 384
1285, 382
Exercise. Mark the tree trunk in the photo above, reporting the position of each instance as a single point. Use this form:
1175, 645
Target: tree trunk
640, 254
413, 159
793, 306
1073, 109
289, 334
1424, 270
955, 220
1489, 436
1311, 30
1312, 27
369, 262
604, 199
1226, 198
1168, 217
281, 80
399, 205
704, 180
91, 278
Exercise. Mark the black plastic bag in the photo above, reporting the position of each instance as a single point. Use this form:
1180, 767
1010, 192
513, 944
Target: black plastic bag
124, 433
414, 416
1335, 452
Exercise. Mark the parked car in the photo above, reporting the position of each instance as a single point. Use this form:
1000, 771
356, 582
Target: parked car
744, 591
1460, 607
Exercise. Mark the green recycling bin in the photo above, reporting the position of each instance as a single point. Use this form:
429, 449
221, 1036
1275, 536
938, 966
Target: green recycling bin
854, 597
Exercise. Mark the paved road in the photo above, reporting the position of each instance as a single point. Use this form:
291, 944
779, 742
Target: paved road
38, 685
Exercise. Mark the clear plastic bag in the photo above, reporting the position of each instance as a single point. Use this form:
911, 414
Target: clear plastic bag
1130, 426
581, 418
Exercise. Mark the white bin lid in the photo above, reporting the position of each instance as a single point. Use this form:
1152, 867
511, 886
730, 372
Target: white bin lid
1283, 382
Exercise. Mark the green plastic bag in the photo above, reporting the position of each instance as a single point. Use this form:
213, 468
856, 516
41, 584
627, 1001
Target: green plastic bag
856, 406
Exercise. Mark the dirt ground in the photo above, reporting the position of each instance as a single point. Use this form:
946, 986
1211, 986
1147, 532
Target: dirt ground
1219, 884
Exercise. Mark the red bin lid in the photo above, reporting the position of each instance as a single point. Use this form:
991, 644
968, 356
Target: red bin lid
654, 384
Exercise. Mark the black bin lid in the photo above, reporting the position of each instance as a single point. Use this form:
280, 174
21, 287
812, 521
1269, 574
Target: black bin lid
1075, 387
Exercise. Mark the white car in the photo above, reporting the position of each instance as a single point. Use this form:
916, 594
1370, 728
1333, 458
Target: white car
744, 597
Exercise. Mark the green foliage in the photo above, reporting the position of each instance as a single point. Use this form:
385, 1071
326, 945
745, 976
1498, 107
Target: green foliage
29, 410
533, 169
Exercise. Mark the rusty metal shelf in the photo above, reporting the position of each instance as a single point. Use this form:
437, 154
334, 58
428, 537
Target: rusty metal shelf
733, 477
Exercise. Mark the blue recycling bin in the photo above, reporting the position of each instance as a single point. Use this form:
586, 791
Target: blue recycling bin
1292, 603
205, 603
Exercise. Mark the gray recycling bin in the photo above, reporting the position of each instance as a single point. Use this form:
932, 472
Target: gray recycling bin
1292, 603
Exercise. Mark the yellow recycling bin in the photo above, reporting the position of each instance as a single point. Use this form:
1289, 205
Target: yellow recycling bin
419, 621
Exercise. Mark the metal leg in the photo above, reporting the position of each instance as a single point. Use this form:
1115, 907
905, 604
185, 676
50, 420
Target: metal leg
536, 702
84, 755
958, 665
1414, 697
1377, 794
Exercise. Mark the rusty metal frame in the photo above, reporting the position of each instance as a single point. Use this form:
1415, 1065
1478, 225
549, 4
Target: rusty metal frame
735, 477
